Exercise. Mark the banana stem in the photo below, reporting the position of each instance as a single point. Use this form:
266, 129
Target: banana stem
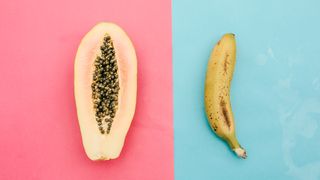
236, 147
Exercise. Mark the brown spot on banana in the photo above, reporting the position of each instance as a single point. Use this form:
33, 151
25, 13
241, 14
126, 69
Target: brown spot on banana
214, 127
217, 92
224, 110
225, 64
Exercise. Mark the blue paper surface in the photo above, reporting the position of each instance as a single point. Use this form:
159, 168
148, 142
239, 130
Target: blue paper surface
275, 91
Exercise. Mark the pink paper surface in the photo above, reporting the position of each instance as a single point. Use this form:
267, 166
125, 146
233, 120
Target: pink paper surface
39, 130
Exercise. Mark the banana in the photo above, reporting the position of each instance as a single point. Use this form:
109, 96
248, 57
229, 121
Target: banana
217, 92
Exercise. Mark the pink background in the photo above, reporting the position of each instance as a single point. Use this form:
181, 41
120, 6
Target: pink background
39, 131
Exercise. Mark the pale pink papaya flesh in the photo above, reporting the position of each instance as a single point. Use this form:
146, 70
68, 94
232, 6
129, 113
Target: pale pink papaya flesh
100, 146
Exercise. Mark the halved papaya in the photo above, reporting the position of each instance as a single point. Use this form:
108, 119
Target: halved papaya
105, 85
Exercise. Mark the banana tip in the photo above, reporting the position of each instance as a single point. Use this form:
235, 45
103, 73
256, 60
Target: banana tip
230, 34
240, 152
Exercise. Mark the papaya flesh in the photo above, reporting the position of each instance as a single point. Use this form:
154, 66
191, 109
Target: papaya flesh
105, 85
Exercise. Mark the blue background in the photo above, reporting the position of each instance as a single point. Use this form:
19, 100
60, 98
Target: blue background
275, 91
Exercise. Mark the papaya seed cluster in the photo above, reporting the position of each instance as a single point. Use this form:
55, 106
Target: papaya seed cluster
105, 86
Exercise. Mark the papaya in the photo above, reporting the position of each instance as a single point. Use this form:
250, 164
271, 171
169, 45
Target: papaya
105, 89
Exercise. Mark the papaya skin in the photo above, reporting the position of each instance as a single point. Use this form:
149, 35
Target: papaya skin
105, 146
217, 92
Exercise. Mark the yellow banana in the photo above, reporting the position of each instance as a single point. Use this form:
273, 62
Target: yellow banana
217, 92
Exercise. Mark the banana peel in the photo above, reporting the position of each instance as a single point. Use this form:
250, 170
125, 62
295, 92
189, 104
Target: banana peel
217, 92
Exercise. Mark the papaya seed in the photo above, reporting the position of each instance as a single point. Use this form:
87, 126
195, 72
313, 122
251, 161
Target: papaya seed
105, 85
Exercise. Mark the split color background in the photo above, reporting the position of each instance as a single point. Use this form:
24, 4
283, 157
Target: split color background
275, 91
